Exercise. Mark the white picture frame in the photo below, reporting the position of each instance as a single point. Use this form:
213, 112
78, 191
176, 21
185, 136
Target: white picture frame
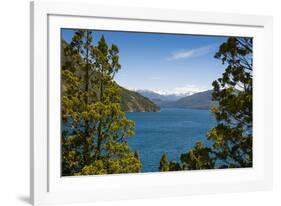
48, 17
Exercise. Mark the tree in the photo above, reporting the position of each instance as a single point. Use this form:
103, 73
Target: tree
164, 163
197, 158
232, 136
94, 127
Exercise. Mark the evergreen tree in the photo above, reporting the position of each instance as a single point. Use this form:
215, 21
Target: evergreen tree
232, 136
94, 127
175, 166
164, 163
198, 158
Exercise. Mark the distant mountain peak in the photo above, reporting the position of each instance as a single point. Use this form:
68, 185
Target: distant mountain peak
199, 100
165, 93
162, 95
196, 100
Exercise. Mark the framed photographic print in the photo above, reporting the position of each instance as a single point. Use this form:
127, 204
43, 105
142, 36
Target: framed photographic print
136, 103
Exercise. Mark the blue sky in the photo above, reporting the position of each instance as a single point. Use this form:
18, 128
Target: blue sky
166, 63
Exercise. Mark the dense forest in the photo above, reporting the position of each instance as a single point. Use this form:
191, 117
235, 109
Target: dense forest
94, 123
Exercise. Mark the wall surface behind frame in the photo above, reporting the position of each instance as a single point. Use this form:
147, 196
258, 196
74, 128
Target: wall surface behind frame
14, 103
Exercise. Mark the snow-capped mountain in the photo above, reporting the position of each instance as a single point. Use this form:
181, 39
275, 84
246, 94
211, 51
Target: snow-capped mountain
196, 100
163, 96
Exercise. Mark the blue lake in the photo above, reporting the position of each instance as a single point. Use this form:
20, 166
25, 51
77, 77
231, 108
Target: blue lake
173, 131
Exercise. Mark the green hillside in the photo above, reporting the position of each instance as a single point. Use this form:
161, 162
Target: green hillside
200, 100
134, 102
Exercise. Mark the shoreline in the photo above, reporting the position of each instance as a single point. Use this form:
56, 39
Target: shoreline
165, 108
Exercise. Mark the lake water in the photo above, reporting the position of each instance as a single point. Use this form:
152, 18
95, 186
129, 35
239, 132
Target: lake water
173, 131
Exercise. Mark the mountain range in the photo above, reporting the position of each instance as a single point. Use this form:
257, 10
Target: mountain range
152, 95
200, 100
150, 101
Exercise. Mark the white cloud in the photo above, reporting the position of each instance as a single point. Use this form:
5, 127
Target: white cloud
184, 54
190, 88
186, 89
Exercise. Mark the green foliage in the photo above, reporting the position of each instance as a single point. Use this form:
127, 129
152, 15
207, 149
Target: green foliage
174, 166
232, 136
94, 126
122, 161
164, 163
197, 158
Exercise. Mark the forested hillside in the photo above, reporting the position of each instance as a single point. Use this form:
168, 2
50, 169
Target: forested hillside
134, 102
